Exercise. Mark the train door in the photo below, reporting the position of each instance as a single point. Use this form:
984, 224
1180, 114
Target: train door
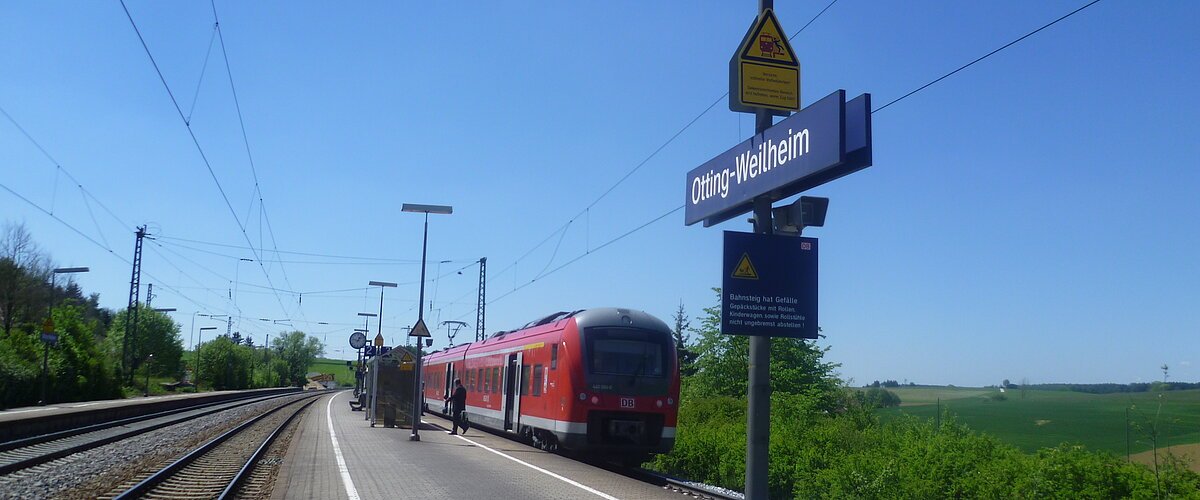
449, 385
512, 392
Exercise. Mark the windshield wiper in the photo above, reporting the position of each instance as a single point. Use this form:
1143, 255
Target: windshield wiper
638, 371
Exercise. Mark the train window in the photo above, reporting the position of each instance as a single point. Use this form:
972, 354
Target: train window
480, 381
554, 357
618, 353
524, 379
470, 381
496, 379
537, 380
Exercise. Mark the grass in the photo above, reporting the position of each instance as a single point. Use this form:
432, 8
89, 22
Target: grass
1038, 419
337, 367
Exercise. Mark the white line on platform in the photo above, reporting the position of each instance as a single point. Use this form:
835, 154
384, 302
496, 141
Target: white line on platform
544, 471
337, 451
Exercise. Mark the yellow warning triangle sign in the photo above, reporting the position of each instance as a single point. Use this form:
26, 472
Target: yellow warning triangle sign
378, 340
406, 357
420, 330
768, 43
745, 269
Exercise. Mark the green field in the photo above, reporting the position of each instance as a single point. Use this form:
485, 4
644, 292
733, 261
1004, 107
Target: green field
1038, 419
337, 367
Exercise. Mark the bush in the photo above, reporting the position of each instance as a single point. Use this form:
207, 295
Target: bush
815, 454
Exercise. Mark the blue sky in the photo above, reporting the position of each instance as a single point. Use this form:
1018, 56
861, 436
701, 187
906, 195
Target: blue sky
1034, 216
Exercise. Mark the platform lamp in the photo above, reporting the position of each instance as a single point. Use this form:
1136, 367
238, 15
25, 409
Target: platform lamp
425, 209
149, 360
48, 335
200, 340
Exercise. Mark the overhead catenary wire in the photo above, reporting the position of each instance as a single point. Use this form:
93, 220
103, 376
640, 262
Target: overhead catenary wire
894, 101
98, 244
587, 209
985, 56
200, 150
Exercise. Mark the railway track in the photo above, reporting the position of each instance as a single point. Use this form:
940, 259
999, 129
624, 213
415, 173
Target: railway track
22, 454
690, 488
223, 467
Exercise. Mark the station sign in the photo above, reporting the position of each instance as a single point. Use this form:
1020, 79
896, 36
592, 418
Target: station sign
769, 286
372, 351
828, 139
764, 73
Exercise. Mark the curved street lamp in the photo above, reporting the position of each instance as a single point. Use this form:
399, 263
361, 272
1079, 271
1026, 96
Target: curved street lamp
48, 335
417, 402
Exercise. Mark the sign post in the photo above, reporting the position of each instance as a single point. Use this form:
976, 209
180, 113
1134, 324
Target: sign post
769, 283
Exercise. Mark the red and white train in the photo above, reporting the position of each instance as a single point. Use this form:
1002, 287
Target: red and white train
603, 381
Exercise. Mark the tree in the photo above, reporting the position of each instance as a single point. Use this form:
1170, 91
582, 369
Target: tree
797, 365
24, 277
157, 334
687, 357
225, 365
297, 352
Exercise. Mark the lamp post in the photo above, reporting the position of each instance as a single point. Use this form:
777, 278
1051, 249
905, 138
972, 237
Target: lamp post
381, 285
195, 345
48, 335
149, 359
425, 209
196, 351
437, 282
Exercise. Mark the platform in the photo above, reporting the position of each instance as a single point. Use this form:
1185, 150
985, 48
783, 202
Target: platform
16, 423
335, 454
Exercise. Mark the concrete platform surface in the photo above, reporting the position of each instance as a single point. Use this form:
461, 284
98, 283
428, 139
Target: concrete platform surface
335, 454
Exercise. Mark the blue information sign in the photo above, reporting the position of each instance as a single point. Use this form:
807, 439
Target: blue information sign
769, 286
826, 140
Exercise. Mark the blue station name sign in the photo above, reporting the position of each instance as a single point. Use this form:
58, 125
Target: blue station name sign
769, 286
826, 140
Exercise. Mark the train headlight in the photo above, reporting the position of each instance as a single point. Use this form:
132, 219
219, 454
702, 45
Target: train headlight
595, 400
582, 396
659, 403
670, 401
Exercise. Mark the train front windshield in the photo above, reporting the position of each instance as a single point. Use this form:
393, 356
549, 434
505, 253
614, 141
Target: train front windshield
627, 359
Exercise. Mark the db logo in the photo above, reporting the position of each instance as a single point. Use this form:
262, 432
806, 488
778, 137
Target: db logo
626, 402
806, 246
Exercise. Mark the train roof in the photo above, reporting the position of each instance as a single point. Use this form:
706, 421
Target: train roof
584, 318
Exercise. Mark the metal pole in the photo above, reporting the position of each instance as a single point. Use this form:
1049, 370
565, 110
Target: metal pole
196, 355
192, 338
374, 387
46, 345
758, 420
148, 361
267, 360
416, 416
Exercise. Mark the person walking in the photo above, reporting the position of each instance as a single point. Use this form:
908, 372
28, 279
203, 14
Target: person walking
458, 403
